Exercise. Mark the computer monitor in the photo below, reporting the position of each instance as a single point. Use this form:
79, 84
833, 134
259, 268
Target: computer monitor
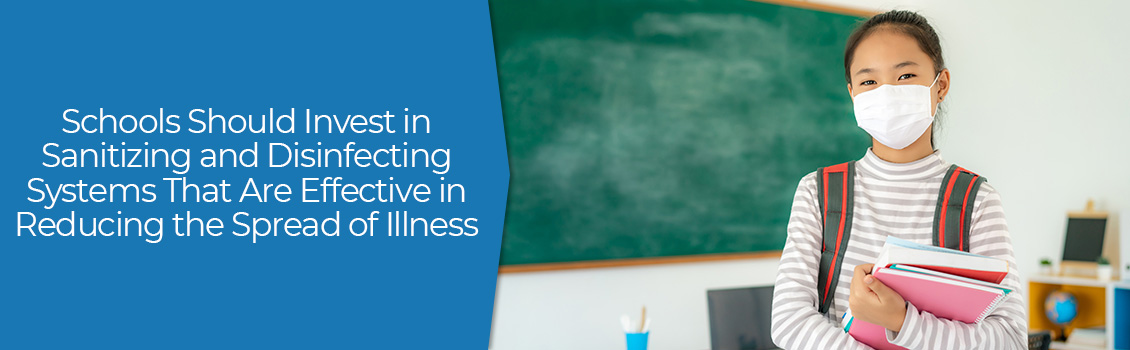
740, 318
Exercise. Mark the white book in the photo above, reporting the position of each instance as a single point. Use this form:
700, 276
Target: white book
1088, 336
955, 262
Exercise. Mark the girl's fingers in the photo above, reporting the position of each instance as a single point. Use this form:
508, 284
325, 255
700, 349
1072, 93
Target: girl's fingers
858, 286
886, 294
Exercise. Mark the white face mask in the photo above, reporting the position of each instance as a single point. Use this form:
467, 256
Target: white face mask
895, 115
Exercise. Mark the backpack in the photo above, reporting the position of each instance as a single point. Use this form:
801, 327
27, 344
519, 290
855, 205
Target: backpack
836, 186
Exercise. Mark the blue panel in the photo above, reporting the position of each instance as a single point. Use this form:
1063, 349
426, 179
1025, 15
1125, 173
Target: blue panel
1121, 326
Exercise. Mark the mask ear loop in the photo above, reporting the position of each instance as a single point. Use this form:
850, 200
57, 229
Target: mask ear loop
932, 115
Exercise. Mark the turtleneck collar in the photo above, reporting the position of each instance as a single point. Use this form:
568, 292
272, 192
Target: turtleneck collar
922, 169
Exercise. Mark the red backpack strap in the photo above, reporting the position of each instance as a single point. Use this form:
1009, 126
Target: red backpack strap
836, 186
955, 208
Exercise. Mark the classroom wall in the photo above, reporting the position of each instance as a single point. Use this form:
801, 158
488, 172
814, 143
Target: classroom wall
1038, 105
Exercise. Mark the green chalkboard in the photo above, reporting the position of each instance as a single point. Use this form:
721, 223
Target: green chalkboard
661, 128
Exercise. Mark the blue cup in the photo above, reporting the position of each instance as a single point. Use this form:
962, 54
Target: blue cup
637, 341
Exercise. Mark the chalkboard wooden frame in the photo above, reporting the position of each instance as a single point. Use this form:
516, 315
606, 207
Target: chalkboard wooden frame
589, 264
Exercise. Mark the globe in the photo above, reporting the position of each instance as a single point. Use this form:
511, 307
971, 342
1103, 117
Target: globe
1061, 307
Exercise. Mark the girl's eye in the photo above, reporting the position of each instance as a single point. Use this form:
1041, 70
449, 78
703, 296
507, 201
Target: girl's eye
867, 82
906, 76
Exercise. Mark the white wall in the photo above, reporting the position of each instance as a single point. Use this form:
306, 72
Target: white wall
1040, 105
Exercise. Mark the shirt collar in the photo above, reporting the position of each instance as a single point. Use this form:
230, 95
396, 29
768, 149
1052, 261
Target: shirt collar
928, 167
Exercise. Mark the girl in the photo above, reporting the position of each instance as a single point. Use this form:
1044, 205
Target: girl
893, 64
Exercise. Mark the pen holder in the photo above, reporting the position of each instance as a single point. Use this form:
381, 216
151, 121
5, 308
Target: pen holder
637, 341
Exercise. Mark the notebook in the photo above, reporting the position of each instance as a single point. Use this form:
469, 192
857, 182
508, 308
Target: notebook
955, 262
935, 292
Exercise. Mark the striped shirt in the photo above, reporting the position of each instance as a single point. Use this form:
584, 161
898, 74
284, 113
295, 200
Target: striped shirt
891, 199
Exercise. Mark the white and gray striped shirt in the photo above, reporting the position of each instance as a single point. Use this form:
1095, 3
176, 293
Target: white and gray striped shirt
891, 199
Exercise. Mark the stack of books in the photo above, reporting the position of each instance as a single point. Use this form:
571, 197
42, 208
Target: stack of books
948, 283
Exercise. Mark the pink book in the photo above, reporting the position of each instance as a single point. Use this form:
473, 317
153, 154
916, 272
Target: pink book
944, 297
867, 333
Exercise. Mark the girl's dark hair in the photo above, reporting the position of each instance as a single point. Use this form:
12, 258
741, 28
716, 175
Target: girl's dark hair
905, 22
901, 21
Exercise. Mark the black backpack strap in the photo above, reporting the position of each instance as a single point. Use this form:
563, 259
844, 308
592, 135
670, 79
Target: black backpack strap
955, 208
836, 186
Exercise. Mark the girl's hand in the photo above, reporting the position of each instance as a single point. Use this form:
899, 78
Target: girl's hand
874, 302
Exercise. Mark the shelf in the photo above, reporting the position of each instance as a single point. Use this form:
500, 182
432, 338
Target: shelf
1105, 304
1090, 295
1071, 280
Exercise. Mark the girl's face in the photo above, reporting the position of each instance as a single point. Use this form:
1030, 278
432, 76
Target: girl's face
889, 57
